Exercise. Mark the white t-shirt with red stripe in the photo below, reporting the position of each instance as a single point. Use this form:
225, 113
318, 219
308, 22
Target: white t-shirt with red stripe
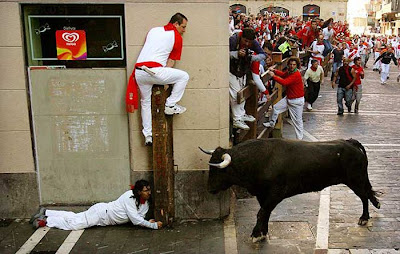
159, 46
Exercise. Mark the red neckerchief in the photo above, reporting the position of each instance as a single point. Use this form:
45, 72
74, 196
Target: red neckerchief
142, 201
178, 37
314, 69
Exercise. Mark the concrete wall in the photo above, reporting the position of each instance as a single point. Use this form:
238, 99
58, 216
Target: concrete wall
296, 7
18, 186
206, 122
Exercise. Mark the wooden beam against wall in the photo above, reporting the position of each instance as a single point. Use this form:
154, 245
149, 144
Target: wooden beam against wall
163, 158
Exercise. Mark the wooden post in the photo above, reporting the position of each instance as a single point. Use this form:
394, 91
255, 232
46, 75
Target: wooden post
163, 158
251, 109
277, 59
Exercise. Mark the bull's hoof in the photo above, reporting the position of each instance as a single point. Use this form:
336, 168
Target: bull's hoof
362, 221
259, 239
378, 205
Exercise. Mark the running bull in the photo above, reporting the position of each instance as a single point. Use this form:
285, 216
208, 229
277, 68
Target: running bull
275, 169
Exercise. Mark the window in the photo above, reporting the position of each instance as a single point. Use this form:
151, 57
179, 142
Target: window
103, 26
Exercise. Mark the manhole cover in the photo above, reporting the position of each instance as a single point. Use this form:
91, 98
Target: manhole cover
290, 230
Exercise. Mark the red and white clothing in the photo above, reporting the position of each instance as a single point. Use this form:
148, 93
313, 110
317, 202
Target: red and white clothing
351, 54
162, 43
120, 211
294, 99
317, 47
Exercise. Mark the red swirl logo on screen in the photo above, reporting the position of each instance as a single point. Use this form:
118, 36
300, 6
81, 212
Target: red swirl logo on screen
70, 37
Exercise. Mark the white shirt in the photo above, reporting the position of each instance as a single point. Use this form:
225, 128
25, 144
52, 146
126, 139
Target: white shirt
158, 46
314, 76
327, 33
319, 48
124, 209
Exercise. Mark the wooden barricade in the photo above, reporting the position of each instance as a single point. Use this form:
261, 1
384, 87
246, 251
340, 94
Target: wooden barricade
163, 158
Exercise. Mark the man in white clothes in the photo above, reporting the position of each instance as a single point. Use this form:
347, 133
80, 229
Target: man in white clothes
130, 206
162, 48
317, 49
328, 33
351, 53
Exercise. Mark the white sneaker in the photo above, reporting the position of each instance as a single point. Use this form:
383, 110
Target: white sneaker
309, 107
148, 141
269, 125
248, 118
240, 124
176, 109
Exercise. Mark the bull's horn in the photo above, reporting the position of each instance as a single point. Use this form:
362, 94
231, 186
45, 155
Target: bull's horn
210, 152
227, 160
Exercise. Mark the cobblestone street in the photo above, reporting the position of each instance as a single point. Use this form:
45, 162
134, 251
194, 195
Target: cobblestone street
294, 221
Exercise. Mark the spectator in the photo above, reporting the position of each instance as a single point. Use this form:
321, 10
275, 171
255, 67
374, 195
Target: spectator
242, 46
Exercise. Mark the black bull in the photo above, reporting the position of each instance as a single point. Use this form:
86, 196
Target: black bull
275, 169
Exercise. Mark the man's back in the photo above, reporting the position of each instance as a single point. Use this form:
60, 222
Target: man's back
158, 46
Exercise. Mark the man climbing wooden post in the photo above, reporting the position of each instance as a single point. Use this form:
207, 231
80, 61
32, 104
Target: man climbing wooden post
154, 66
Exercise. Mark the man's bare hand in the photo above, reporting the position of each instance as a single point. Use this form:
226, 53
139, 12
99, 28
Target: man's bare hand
159, 224
242, 53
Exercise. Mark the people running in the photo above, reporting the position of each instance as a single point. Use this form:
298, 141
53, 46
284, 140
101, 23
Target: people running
358, 74
385, 59
345, 81
314, 77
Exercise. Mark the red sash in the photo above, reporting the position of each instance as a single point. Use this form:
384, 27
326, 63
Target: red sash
132, 95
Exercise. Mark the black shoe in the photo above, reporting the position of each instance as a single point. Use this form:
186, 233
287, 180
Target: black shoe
339, 113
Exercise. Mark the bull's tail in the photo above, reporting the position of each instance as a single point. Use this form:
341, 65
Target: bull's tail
372, 196
358, 145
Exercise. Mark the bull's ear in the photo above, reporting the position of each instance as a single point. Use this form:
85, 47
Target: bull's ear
209, 152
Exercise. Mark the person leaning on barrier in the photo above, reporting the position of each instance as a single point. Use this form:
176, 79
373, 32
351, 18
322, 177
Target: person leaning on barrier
294, 99
130, 206
154, 66
244, 50
345, 80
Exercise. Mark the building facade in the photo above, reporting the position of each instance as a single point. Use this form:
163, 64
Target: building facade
65, 137
307, 9
387, 16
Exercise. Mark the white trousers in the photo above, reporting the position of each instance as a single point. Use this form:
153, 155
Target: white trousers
295, 107
96, 215
163, 76
235, 85
384, 72
378, 64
